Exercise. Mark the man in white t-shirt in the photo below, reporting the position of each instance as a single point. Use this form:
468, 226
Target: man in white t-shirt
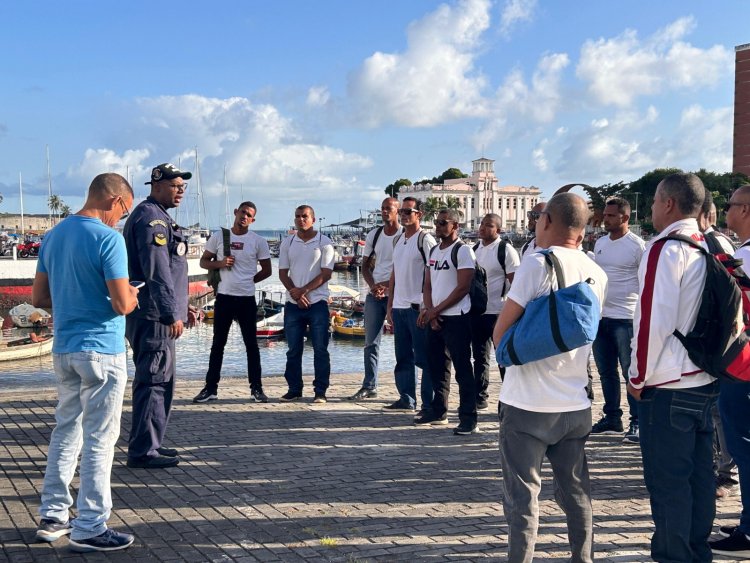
734, 400
376, 269
500, 261
675, 396
235, 298
544, 405
530, 246
446, 316
410, 252
305, 266
619, 255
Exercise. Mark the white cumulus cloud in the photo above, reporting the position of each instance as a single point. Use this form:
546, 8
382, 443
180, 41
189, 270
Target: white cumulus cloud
620, 69
434, 80
514, 12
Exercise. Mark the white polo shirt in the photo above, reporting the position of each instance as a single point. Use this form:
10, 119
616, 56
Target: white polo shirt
304, 260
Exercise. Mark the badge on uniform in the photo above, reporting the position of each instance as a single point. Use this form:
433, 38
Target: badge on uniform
181, 249
160, 239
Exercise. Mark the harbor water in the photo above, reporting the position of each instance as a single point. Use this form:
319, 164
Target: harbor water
194, 346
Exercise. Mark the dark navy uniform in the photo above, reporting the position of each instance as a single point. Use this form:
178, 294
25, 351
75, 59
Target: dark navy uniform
156, 255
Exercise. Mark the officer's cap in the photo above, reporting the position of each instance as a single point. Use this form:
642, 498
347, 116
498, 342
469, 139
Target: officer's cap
168, 171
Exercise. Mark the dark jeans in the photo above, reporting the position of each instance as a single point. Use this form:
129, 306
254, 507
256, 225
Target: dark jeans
676, 433
410, 343
153, 385
296, 320
483, 351
612, 346
734, 407
453, 338
526, 437
375, 310
228, 308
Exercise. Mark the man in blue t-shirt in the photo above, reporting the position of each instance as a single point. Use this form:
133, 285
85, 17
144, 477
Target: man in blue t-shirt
82, 273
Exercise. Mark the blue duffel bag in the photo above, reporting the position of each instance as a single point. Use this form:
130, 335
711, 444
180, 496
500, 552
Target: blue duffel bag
563, 320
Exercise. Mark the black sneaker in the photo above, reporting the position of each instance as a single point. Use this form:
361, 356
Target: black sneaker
167, 452
726, 531
399, 406
607, 426
633, 434
290, 397
320, 398
363, 394
464, 429
107, 541
51, 530
258, 396
736, 545
482, 405
430, 418
158, 462
205, 395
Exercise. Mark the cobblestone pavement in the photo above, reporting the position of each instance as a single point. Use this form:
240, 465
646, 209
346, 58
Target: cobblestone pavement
301, 482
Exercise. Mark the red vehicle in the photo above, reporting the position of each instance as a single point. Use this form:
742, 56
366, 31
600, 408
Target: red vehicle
28, 248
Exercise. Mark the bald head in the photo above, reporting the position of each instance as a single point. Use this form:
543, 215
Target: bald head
738, 212
109, 185
564, 219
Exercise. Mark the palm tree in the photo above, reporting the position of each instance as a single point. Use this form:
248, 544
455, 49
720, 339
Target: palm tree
55, 204
64, 210
1, 198
452, 202
431, 207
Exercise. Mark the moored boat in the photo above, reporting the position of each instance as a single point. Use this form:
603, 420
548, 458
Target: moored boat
25, 348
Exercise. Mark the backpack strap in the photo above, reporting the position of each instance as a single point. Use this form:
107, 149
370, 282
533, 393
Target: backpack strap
454, 253
501, 255
554, 263
395, 239
420, 244
225, 233
375, 240
712, 241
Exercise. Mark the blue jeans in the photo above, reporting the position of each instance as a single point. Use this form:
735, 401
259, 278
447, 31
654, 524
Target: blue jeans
410, 343
676, 432
612, 346
90, 388
296, 320
375, 310
734, 407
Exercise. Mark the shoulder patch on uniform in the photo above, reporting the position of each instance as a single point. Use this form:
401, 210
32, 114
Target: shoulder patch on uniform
160, 239
157, 222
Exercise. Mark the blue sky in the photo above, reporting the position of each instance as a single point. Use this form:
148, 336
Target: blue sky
328, 102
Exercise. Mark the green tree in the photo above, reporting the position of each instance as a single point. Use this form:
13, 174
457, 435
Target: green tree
393, 189
55, 204
451, 174
1, 198
645, 187
452, 202
65, 210
600, 194
431, 207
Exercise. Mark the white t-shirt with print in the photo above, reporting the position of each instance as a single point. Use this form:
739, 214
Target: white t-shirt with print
557, 383
487, 259
409, 268
620, 260
246, 249
383, 256
444, 276
304, 260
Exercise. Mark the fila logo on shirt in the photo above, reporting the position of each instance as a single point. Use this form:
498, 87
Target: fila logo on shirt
435, 265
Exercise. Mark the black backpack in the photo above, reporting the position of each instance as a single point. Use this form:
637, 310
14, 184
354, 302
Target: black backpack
478, 287
718, 343
501, 260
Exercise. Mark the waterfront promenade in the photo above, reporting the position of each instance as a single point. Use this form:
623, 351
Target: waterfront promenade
301, 482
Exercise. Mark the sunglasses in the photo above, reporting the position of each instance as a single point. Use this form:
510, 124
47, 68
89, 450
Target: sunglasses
729, 204
125, 212
443, 222
407, 211
533, 214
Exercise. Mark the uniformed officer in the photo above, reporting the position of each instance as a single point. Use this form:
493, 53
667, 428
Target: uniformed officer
157, 251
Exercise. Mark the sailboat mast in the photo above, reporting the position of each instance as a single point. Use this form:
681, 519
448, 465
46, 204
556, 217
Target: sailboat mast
226, 199
20, 191
49, 187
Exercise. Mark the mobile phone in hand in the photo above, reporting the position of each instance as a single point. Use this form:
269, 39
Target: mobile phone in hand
137, 284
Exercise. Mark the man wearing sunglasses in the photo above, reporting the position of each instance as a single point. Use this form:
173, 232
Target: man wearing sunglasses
410, 253
157, 250
532, 216
448, 324
376, 269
